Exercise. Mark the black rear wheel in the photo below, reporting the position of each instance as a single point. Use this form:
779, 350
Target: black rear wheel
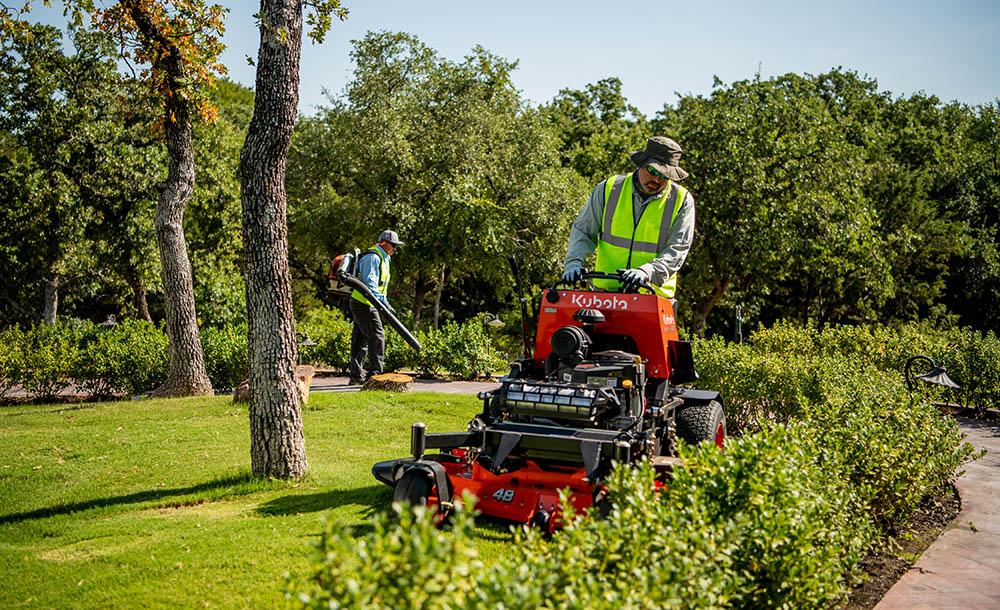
699, 423
416, 489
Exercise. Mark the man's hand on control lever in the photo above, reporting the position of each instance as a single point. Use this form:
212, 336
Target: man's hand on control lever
633, 278
573, 274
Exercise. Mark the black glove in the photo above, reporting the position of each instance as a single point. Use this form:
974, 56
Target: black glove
632, 278
573, 274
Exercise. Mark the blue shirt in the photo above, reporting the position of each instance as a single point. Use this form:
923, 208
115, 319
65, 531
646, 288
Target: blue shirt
368, 269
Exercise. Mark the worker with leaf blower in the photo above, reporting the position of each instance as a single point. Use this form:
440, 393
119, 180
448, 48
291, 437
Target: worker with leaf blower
641, 222
368, 336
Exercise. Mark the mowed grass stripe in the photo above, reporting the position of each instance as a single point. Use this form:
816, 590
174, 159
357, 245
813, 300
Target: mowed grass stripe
151, 503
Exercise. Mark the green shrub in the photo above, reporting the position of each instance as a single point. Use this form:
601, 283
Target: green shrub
459, 350
225, 352
129, 358
975, 364
404, 562
51, 358
332, 334
12, 340
842, 451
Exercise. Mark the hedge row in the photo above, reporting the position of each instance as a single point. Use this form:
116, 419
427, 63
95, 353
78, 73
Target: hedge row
840, 452
127, 359
972, 358
131, 357
458, 350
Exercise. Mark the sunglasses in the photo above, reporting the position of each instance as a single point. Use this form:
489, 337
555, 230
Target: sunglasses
652, 170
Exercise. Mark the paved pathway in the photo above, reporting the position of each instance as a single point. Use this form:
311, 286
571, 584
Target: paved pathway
340, 384
961, 569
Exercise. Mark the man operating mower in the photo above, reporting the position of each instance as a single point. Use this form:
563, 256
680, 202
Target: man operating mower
641, 222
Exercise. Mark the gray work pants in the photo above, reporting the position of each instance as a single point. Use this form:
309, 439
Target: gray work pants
367, 339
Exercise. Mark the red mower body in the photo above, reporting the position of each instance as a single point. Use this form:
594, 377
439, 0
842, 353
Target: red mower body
602, 386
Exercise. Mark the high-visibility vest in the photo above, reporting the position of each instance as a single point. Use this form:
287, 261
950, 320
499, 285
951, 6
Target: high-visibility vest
626, 244
383, 275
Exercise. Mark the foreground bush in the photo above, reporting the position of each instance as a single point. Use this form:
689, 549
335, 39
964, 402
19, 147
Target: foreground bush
835, 452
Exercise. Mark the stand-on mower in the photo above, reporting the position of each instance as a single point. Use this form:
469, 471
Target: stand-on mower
602, 385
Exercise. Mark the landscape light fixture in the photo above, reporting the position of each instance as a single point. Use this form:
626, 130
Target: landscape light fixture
303, 341
936, 375
491, 321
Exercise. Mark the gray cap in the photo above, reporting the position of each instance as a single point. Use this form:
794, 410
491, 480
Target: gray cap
664, 155
391, 237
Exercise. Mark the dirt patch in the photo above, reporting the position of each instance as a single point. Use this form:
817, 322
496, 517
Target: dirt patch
906, 542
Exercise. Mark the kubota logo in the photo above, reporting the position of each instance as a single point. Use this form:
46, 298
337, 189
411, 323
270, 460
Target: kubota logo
595, 302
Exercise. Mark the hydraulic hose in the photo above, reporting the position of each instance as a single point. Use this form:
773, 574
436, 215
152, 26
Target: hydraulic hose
393, 321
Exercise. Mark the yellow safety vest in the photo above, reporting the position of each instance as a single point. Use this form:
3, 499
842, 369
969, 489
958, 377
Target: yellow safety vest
383, 276
626, 244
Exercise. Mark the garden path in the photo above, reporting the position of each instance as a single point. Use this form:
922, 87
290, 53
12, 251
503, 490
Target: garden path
961, 569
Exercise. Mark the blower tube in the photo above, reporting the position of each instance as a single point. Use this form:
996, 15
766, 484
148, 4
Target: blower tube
393, 321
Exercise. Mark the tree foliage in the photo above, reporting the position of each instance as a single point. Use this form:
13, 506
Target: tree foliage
447, 154
77, 173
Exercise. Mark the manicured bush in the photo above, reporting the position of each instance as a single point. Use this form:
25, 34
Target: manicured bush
839, 452
404, 562
225, 351
332, 334
129, 358
971, 357
51, 358
458, 350
975, 364
11, 359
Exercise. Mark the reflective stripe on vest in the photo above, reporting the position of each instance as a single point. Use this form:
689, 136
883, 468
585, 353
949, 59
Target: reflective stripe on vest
624, 243
383, 276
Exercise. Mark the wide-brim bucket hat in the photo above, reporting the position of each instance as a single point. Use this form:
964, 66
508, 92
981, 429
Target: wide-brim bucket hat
664, 155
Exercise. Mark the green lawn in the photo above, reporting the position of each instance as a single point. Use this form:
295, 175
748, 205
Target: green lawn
150, 503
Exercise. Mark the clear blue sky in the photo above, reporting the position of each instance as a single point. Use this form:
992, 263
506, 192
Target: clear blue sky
660, 48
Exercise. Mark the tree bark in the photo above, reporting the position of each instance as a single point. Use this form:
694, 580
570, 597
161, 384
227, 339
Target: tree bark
51, 310
134, 281
277, 444
420, 290
437, 299
720, 286
187, 375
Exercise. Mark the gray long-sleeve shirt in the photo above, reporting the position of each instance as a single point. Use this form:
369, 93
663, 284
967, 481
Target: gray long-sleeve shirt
587, 227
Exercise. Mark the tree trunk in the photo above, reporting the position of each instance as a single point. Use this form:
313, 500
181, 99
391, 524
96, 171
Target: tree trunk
420, 290
51, 310
277, 445
134, 282
721, 285
187, 375
437, 299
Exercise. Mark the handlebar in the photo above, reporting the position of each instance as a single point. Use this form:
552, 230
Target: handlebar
601, 275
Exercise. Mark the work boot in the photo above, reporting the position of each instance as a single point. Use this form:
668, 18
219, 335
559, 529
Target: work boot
356, 381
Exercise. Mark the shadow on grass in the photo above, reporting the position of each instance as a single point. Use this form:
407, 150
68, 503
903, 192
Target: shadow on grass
231, 486
67, 407
373, 498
